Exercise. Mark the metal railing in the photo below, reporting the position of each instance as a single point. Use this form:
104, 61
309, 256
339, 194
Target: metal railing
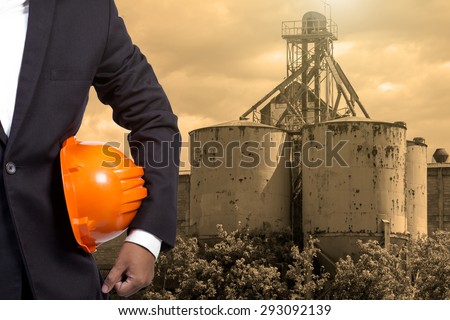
309, 28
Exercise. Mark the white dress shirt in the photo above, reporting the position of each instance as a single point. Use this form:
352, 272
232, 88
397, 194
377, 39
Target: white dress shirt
13, 28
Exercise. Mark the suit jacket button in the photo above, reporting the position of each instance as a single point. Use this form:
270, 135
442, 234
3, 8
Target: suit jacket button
11, 168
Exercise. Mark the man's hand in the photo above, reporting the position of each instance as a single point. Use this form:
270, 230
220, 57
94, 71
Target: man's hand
133, 270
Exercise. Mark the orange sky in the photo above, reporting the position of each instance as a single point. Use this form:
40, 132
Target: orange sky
216, 58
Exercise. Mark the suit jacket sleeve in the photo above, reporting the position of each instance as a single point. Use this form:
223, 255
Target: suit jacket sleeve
127, 82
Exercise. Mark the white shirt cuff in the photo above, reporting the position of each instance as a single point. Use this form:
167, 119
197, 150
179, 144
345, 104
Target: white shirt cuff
146, 240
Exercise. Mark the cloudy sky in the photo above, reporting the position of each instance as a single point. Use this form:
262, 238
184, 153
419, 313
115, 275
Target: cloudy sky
216, 58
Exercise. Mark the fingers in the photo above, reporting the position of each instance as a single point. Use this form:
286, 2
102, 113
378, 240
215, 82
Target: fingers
129, 287
114, 277
133, 270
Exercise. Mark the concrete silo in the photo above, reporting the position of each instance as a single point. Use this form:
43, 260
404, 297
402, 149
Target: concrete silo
353, 177
239, 176
416, 187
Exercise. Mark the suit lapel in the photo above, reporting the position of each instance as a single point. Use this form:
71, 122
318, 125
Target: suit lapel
40, 21
3, 136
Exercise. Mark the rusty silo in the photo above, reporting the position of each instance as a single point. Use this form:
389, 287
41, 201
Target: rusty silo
353, 177
416, 187
239, 176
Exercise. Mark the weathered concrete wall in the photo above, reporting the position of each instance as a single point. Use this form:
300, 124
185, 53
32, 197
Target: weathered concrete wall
438, 197
239, 176
184, 181
360, 194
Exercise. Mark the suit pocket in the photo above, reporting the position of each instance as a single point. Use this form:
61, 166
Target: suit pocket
72, 75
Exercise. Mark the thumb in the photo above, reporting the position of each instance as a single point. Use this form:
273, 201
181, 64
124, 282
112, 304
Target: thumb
114, 276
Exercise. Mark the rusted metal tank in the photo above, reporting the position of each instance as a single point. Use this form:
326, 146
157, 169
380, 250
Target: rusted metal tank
353, 177
239, 176
416, 187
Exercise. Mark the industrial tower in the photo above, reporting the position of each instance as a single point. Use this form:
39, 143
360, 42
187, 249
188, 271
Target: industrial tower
315, 88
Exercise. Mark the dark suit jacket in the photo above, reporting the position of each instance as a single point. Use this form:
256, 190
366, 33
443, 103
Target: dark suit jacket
70, 46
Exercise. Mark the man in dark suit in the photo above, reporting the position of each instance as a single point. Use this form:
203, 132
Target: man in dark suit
67, 47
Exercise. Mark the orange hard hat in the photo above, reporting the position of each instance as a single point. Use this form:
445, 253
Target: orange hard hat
103, 190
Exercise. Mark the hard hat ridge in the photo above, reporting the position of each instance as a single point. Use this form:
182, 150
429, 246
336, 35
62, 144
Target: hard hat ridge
102, 196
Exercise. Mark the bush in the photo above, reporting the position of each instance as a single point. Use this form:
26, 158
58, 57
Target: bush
379, 274
184, 274
430, 266
240, 265
301, 272
420, 270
